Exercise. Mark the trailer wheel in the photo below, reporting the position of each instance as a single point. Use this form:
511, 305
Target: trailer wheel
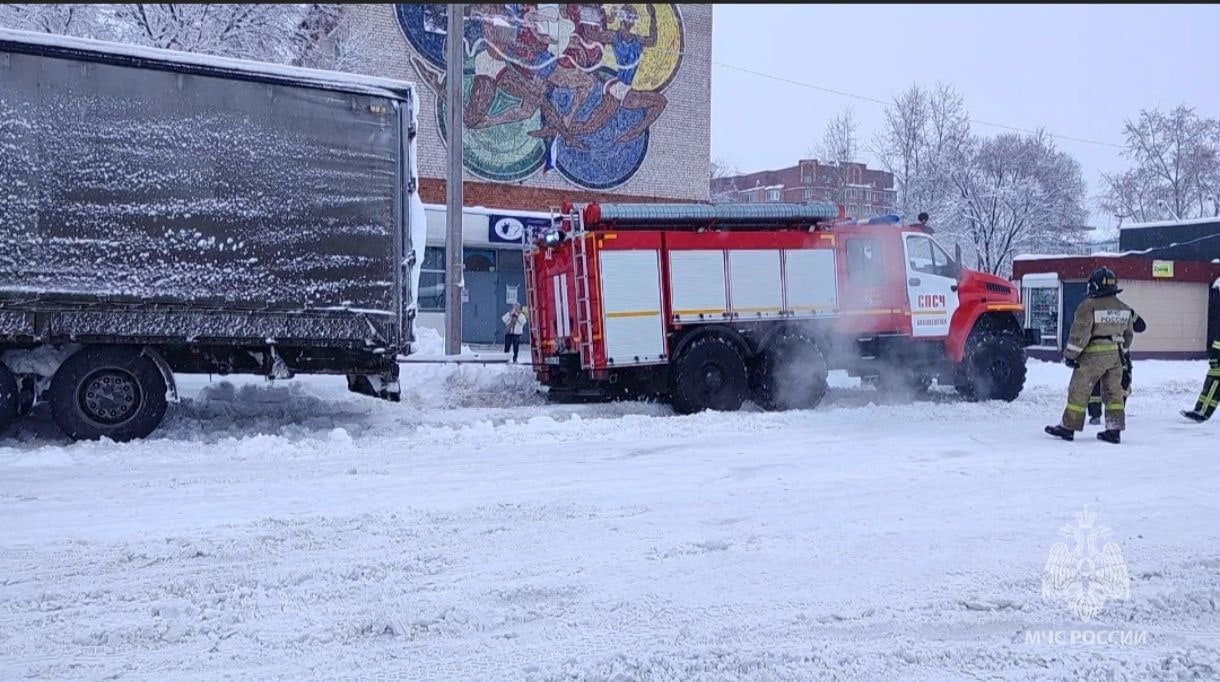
790, 375
993, 369
709, 375
111, 392
10, 397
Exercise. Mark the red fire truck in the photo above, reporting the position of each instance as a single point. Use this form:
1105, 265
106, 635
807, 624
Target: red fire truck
708, 306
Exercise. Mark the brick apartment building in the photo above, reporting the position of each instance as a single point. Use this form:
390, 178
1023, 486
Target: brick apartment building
545, 122
866, 191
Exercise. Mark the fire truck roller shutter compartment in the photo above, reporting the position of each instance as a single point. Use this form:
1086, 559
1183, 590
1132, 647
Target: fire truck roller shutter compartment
757, 292
631, 307
811, 282
563, 317
696, 280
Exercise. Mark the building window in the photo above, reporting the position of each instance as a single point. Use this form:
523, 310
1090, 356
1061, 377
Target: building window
808, 194
773, 195
432, 280
865, 266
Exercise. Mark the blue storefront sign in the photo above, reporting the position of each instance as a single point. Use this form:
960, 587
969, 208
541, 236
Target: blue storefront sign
502, 229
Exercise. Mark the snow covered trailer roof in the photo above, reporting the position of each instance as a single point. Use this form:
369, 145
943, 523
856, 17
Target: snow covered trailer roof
176, 196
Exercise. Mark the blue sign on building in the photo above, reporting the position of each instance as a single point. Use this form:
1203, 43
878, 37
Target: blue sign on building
502, 229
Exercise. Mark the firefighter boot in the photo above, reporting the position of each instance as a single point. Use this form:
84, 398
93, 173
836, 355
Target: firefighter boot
1110, 436
1059, 431
1095, 421
1194, 416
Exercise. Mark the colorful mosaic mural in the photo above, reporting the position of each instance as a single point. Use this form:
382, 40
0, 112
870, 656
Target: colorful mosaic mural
569, 88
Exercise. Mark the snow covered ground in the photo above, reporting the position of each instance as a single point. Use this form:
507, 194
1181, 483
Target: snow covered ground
475, 532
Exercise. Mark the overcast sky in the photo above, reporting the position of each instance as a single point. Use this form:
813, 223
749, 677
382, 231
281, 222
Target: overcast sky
1079, 70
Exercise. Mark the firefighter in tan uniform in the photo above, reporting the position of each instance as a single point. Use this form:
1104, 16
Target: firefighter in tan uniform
1210, 397
1102, 331
1139, 325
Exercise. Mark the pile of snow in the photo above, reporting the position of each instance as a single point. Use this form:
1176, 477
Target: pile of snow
470, 385
429, 342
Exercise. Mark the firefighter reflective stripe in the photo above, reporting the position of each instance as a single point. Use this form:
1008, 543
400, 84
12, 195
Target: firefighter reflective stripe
1114, 407
1094, 400
1076, 408
1208, 399
1074, 348
1101, 347
1216, 345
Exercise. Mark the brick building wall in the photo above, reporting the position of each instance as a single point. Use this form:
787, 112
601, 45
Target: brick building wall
868, 191
670, 163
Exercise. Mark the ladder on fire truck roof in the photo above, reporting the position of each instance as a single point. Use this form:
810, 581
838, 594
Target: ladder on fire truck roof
584, 305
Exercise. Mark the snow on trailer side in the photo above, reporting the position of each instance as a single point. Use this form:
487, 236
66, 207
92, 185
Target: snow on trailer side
155, 182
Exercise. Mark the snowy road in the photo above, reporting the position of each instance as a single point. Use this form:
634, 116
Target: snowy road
473, 532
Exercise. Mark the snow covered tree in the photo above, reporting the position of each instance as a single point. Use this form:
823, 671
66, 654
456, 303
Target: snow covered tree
837, 150
1017, 193
67, 19
255, 31
316, 35
717, 169
925, 135
336, 44
1175, 168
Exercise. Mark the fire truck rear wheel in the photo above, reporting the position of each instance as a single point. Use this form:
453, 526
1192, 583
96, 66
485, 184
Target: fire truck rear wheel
710, 374
993, 369
791, 375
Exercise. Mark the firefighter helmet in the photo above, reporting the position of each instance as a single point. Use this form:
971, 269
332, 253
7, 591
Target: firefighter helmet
1103, 282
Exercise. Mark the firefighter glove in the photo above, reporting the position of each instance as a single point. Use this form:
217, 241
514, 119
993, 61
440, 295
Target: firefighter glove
1071, 363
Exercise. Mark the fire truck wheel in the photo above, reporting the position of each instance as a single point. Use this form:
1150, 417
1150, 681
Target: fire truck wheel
709, 375
791, 375
993, 369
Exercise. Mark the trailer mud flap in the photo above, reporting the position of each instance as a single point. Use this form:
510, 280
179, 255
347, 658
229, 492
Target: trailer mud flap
171, 386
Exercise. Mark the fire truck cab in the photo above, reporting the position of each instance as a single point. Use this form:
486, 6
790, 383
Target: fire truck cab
708, 306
